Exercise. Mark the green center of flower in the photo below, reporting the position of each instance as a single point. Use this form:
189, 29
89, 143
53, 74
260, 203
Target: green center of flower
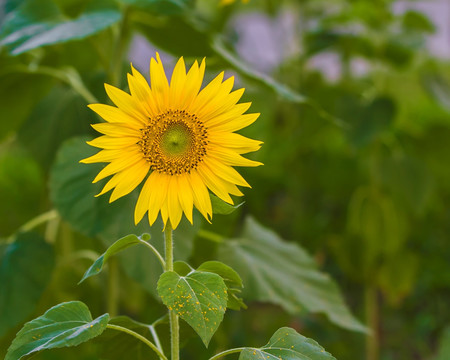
174, 142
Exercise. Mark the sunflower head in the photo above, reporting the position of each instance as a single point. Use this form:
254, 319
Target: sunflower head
177, 138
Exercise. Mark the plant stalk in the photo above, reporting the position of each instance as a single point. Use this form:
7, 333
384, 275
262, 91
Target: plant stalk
139, 337
173, 317
372, 312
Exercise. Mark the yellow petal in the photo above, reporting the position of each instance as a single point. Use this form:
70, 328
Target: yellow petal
173, 204
178, 82
220, 104
164, 214
194, 82
232, 124
116, 129
130, 178
226, 172
108, 142
206, 94
159, 83
239, 143
185, 196
119, 164
126, 103
202, 201
214, 183
103, 156
140, 91
112, 114
143, 201
230, 157
158, 194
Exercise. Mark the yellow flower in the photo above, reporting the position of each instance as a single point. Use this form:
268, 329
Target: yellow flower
180, 137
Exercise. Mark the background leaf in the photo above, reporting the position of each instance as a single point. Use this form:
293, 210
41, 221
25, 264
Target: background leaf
232, 280
26, 267
284, 274
66, 324
37, 23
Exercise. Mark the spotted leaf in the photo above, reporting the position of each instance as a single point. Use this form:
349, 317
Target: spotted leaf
287, 344
66, 324
199, 298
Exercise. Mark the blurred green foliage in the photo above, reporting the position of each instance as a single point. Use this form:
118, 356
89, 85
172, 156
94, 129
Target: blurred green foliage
356, 173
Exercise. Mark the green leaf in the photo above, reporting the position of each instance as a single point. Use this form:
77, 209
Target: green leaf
283, 273
417, 21
73, 195
444, 345
165, 34
17, 108
66, 324
182, 268
21, 189
118, 246
286, 343
161, 7
63, 114
26, 267
282, 90
232, 280
221, 207
200, 299
37, 23
375, 119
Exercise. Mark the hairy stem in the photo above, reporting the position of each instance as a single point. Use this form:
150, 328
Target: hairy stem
174, 325
372, 340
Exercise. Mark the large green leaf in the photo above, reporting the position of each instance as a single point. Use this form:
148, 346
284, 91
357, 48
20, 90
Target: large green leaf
444, 345
21, 189
26, 267
66, 324
283, 273
287, 344
118, 246
59, 115
15, 109
199, 298
36, 23
73, 194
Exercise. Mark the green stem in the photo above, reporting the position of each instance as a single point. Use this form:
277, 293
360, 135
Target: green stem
156, 252
174, 325
372, 340
38, 220
155, 337
227, 352
139, 337
69, 75
119, 48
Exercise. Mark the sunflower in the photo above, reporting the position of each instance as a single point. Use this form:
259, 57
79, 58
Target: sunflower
181, 140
